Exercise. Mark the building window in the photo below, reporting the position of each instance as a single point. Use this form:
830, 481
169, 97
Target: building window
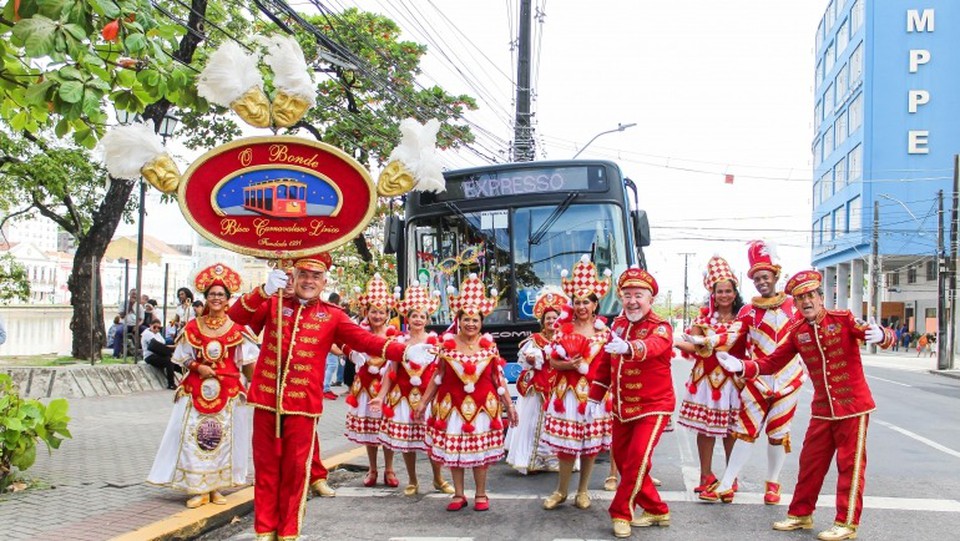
856, 64
843, 37
820, 232
817, 115
912, 275
893, 279
816, 193
830, 16
856, 16
840, 174
828, 59
840, 129
840, 84
930, 313
819, 75
834, 224
854, 212
855, 163
817, 153
826, 185
819, 37
828, 141
931, 270
855, 112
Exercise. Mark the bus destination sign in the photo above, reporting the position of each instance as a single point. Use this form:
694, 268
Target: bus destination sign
524, 181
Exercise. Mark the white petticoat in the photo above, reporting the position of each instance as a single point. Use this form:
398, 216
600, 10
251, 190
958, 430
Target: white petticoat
712, 417
528, 452
455, 448
363, 426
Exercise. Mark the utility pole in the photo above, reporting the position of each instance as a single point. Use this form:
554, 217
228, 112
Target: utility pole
942, 328
875, 269
686, 290
953, 263
523, 146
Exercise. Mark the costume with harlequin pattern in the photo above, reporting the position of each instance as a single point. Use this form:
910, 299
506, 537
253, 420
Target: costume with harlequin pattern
840, 410
640, 386
527, 450
465, 428
287, 392
206, 444
712, 400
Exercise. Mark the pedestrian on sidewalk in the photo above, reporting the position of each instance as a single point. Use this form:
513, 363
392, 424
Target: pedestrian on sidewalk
828, 342
205, 448
922, 344
287, 385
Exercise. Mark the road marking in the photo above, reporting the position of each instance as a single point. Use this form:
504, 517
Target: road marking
889, 381
742, 498
690, 468
431, 539
921, 439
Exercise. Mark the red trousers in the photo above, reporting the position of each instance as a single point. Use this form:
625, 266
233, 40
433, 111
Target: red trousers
633, 444
281, 466
317, 470
847, 438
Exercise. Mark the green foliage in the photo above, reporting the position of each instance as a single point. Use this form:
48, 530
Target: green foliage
14, 284
24, 423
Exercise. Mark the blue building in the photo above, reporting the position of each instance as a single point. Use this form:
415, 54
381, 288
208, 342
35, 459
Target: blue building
887, 127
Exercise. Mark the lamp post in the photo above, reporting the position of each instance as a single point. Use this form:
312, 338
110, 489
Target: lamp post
166, 128
620, 127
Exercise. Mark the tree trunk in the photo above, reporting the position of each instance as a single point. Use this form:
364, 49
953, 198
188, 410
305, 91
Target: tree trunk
89, 336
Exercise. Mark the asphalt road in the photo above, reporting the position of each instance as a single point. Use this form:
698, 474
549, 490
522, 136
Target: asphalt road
913, 459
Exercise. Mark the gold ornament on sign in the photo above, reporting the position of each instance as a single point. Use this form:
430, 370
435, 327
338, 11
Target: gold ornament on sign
395, 180
253, 107
162, 173
288, 109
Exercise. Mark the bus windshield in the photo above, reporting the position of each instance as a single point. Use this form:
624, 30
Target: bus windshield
518, 251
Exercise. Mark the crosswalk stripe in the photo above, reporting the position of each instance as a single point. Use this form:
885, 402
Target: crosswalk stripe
742, 498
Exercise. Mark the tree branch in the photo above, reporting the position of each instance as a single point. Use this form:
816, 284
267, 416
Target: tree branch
60, 220
310, 128
12, 215
72, 209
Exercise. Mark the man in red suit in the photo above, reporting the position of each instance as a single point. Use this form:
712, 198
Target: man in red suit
636, 372
828, 342
287, 384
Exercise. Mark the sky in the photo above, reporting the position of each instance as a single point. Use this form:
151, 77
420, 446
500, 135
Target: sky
715, 88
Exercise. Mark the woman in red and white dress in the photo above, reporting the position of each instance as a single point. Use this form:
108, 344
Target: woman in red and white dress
712, 400
363, 421
527, 451
402, 390
468, 394
579, 342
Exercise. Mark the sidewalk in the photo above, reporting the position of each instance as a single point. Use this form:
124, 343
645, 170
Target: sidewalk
92, 488
908, 360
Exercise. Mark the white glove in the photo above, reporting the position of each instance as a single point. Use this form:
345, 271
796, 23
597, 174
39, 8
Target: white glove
560, 351
729, 362
616, 345
695, 339
276, 280
874, 333
593, 412
421, 354
358, 358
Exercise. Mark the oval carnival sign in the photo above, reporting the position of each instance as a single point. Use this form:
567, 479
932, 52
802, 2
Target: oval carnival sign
275, 197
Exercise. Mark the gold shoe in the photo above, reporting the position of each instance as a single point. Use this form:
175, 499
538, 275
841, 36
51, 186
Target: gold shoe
838, 532
218, 499
444, 487
582, 500
272, 536
554, 500
610, 483
647, 519
656, 482
411, 490
198, 500
621, 528
321, 488
794, 523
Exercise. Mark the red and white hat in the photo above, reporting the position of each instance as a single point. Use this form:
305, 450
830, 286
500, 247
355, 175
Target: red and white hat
718, 270
417, 299
318, 262
377, 295
549, 300
637, 277
803, 282
217, 275
762, 256
472, 299
585, 280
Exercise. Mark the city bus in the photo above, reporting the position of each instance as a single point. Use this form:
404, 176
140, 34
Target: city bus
518, 226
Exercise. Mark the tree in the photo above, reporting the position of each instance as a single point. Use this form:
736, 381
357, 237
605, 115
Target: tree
13, 280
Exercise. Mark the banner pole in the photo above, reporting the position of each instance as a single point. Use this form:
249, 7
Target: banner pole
280, 375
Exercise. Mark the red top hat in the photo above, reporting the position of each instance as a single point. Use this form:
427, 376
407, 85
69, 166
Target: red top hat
761, 256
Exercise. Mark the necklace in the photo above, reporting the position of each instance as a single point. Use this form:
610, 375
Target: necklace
214, 322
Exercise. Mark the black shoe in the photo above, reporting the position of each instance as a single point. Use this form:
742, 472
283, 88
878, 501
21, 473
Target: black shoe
172, 387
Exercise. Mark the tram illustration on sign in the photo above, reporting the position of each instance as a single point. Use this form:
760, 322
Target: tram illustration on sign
277, 193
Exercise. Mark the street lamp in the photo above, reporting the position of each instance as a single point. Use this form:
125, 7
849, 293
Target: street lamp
620, 127
167, 126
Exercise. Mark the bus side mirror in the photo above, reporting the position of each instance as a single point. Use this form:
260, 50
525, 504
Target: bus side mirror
641, 227
392, 226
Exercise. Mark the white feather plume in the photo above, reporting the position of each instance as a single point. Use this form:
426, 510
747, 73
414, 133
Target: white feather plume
418, 151
290, 72
229, 73
126, 149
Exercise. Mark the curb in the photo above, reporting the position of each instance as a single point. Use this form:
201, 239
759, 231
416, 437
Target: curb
192, 523
954, 374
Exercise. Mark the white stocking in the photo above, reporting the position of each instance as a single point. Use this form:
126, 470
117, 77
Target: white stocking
776, 456
738, 458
